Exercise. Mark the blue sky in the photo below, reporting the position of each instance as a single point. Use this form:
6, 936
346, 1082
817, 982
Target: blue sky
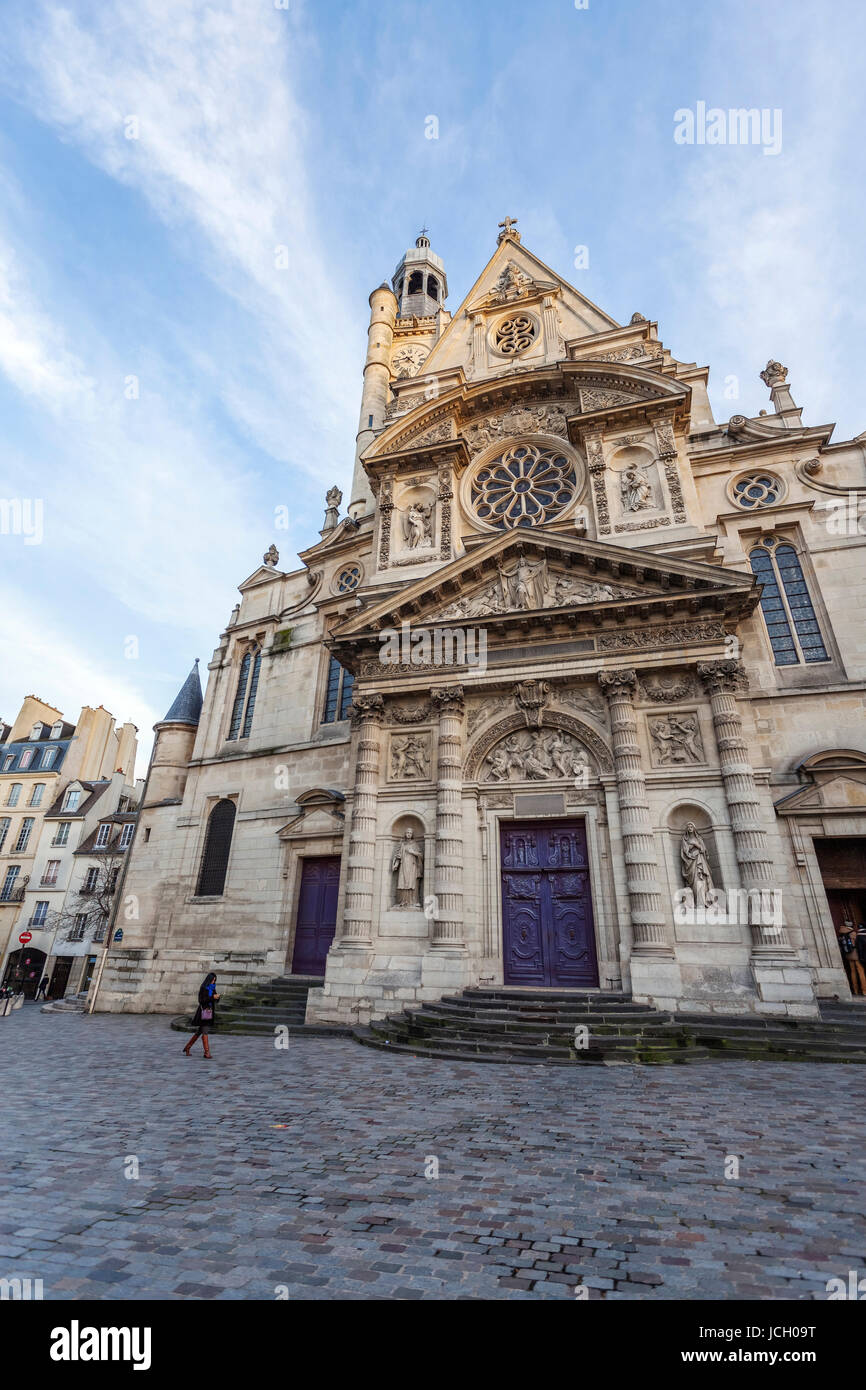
153, 258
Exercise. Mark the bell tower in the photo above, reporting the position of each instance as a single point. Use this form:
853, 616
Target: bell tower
419, 281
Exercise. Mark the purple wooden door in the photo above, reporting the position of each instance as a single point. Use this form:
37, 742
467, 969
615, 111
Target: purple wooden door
317, 914
548, 934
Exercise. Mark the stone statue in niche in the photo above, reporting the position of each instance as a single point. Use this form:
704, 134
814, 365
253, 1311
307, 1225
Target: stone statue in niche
409, 758
696, 866
407, 863
418, 525
677, 740
637, 493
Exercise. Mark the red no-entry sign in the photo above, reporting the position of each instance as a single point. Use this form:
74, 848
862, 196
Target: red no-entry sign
25, 937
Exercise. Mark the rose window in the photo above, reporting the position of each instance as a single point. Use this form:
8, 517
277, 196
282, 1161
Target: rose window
515, 334
757, 490
525, 486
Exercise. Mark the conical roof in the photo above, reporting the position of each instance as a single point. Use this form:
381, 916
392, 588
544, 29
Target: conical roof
188, 701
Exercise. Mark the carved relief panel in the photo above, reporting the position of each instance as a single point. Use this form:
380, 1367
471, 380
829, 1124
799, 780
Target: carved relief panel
675, 739
409, 757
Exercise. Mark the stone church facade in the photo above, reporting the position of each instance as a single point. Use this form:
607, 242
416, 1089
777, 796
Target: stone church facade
571, 697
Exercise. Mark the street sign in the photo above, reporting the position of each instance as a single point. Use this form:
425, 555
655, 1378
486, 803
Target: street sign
118, 935
25, 937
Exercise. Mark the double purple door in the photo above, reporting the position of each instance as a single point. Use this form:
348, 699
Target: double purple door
317, 914
548, 934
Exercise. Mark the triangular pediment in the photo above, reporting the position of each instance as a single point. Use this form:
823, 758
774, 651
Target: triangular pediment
520, 573
515, 277
265, 574
836, 782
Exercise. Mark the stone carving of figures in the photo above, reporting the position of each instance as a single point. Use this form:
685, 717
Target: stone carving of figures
600, 592
558, 753
271, 557
408, 864
416, 525
525, 586
514, 753
535, 764
676, 740
499, 765
636, 490
408, 758
696, 866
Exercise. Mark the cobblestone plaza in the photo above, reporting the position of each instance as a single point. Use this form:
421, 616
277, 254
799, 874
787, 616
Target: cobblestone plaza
309, 1173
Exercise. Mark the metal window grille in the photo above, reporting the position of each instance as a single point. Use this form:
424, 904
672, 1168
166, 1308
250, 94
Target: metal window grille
215, 859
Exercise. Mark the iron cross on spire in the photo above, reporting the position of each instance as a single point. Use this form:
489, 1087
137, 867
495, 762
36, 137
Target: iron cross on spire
508, 225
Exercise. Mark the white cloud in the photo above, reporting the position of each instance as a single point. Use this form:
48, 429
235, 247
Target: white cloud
32, 353
220, 157
47, 663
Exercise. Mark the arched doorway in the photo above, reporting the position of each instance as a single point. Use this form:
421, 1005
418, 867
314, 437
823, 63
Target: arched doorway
24, 969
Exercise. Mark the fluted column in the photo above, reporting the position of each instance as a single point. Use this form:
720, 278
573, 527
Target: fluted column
448, 876
645, 898
722, 680
367, 711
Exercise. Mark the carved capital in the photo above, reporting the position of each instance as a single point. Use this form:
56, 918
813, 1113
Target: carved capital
448, 699
721, 676
618, 683
369, 706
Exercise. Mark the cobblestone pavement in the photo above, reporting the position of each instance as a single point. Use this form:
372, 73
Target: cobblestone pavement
305, 1169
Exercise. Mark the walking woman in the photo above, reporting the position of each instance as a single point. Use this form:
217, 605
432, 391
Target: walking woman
204, 1017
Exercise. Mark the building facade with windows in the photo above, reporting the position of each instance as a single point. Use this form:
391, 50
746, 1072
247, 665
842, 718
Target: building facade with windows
572, 697
84, 839
41, 755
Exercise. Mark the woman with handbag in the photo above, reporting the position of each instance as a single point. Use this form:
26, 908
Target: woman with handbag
204, 1018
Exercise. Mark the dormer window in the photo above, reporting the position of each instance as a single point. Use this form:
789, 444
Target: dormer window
36, 731
71, 800
102, 835
57, 729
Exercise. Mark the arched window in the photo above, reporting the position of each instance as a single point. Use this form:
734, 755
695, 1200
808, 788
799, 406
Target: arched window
217, 843
245, 695
432, 287
416, 282
792, 627
338, 692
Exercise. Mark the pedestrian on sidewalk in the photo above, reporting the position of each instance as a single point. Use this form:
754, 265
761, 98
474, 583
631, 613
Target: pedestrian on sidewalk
204, 1018
42, 987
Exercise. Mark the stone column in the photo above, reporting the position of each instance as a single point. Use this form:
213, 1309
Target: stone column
448, 929
722, 680
367, 711
645, 898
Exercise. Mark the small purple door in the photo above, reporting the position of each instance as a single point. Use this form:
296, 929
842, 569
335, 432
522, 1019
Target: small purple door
548, 934
317, 914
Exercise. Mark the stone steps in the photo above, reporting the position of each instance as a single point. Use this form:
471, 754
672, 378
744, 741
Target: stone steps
536, 1027
258, 1009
